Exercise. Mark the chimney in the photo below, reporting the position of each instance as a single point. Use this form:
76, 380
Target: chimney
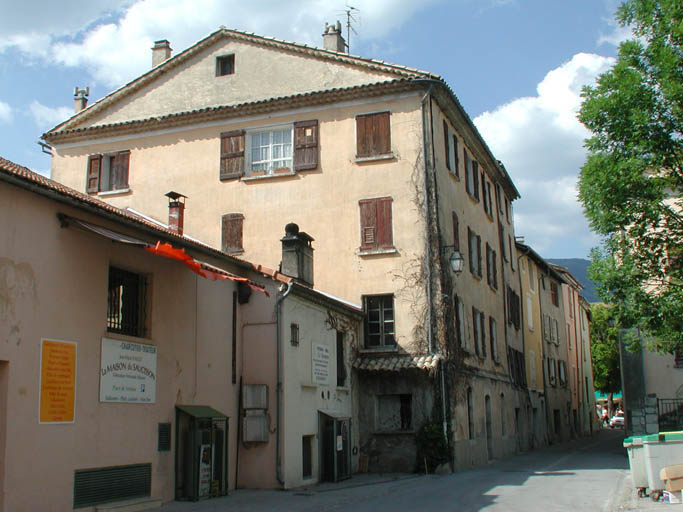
332, 38
80, 98
297, 254
161, 51
176, 211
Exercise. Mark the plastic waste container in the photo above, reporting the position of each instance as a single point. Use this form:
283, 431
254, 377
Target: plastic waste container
661, 450
636, 461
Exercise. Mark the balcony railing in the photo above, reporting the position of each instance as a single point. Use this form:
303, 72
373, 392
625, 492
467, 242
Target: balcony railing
670, 411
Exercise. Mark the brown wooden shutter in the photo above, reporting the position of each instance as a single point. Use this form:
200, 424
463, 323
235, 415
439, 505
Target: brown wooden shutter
232, 233
475, 178
456, 163
368, 224
445, 145
456, 232
305, 145
479, 270
92, 181
385, 237
468, 170
373, 134
119, 170
232, 155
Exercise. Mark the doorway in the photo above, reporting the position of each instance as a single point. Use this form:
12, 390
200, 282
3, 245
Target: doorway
335, 447
201, 453
489, 429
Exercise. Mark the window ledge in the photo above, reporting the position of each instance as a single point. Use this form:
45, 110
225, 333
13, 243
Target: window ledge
235, 252
473, 198
374, 252
308, 385
113, 192
454, 176
268, 176
343, 389
375, 158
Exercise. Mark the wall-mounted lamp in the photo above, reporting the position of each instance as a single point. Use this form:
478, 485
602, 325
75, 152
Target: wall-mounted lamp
455, 260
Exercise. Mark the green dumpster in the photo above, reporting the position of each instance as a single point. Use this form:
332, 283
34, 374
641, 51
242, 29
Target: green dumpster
661, 450
636, 461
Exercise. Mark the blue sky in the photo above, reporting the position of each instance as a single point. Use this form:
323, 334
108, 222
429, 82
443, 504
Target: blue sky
517, 67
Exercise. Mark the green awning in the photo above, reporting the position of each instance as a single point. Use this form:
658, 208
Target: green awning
201, 411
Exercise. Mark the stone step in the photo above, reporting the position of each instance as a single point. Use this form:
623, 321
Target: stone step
134, 505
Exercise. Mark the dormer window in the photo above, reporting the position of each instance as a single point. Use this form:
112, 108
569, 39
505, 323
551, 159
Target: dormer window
225, 65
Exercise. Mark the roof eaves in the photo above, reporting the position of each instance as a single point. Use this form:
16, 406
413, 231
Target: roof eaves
220, 112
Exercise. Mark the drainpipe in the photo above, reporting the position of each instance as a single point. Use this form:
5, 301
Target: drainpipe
427, 119
278, 313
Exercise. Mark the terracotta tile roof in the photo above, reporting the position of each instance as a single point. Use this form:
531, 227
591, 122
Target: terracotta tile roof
397, 362
223, 112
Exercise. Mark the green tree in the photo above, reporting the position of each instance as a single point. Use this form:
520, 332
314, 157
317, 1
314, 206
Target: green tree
631, 183
605, 349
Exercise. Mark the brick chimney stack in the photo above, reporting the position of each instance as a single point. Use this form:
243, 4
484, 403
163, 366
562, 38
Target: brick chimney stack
176, 211
332, 38
161, 51
297, 254
80, 99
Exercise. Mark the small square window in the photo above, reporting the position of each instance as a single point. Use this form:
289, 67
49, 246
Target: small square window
225, 65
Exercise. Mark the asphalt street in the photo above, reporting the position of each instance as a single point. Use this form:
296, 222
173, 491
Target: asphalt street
589, 474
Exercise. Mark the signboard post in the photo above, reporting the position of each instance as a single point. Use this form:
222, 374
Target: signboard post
57, 381
128, 372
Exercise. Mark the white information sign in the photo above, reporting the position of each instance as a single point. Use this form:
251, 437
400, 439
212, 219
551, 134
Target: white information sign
128, 372
321, 364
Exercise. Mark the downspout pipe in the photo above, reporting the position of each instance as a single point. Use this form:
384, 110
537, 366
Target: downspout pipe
278, 407
428, 248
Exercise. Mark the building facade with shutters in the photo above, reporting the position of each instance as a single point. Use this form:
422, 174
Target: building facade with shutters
385, 171
140, 364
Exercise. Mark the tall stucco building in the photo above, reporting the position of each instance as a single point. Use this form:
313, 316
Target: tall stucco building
379, 163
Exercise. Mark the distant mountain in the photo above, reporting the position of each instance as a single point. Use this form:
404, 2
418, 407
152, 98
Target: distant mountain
579, 269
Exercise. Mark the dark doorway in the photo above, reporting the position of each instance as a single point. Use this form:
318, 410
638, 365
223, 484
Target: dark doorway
335, 448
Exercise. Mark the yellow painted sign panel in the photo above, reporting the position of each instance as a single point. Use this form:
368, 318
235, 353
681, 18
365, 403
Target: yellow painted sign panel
57, 381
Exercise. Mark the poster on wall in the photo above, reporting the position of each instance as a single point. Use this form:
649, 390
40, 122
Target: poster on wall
128, 372
57, 381
204, 470
321, 364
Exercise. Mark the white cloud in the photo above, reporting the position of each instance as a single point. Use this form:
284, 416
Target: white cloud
540, 141
48, 117
113, 38
5, 112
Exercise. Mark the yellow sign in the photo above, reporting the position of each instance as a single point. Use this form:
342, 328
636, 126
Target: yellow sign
57, 381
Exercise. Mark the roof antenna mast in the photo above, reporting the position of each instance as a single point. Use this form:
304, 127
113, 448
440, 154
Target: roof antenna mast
349, 18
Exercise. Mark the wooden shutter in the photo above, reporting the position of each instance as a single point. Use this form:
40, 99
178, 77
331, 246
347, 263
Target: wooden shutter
445, 145
468, 170
479, 271
119, 170
92, 181
475, 178
305, 145
232, 155
385, 236
373, 134
456, 161
470, 247
232, 233
475, 330
368, 224
456, 232
482, 334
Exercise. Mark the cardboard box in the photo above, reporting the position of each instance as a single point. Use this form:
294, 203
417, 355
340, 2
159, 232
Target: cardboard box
673, 476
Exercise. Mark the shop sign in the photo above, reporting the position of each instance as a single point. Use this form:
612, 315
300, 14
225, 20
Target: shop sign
128, 372
321, 364
57, 381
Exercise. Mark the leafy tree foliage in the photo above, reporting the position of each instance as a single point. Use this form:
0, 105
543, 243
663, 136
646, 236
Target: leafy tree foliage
605, 349
632, 181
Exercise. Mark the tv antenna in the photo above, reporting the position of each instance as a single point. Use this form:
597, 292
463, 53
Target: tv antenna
349, 18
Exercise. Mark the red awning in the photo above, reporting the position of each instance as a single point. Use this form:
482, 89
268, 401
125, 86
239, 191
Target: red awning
166, 250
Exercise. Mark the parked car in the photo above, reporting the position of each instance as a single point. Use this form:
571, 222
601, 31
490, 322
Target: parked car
617, 420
